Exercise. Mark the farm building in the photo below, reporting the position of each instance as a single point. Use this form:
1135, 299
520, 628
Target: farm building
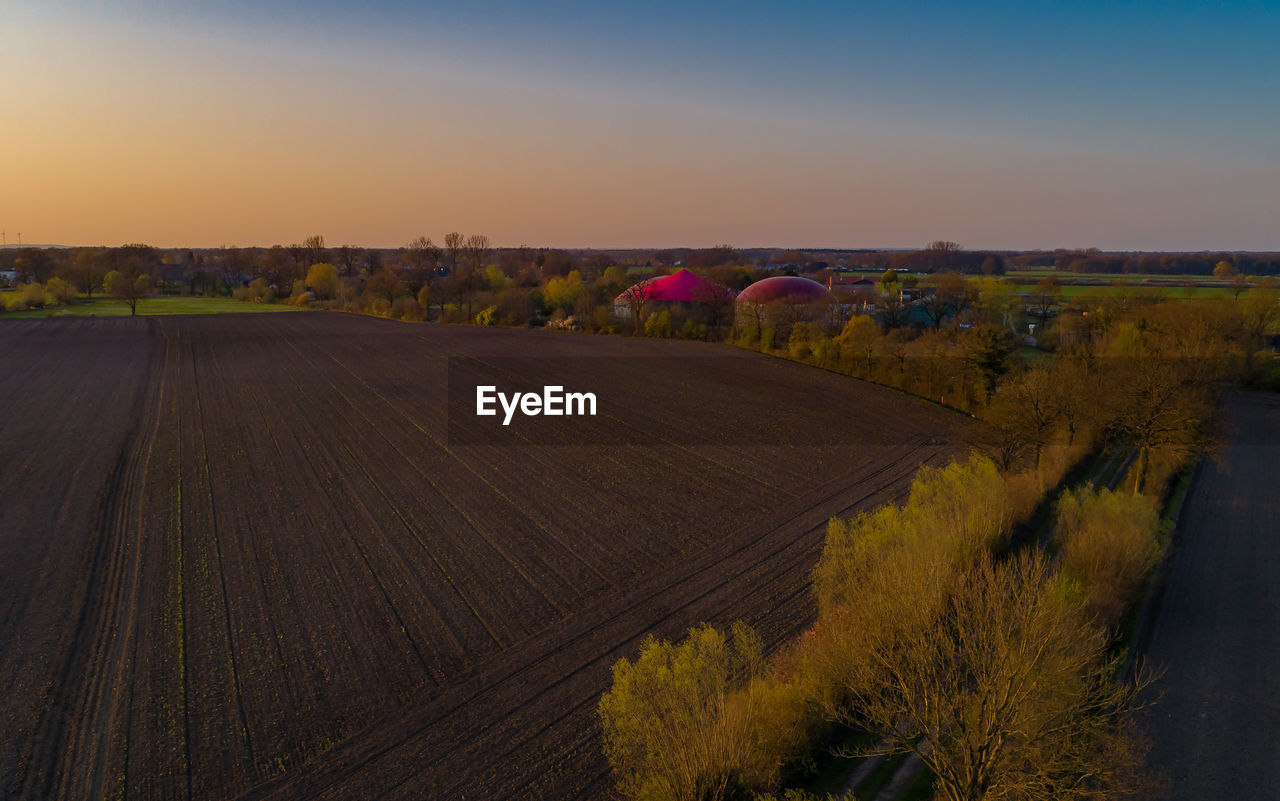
854, 294
837, 282
686, 295
783, 300
786, 289
681, 286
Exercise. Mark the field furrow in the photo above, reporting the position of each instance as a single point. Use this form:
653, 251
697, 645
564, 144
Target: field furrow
256, 557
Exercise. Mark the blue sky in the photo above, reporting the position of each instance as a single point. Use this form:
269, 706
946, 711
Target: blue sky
1122, 125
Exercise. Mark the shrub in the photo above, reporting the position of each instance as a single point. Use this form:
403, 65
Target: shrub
658, 325
1109, 542
488, 316
258, 291
692, 330
407, 309
1268, 378
517, 306
602, 319
301, 296
698, 719
30, 296
59, 291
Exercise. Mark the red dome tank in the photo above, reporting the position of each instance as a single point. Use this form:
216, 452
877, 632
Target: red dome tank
787, 288
681, 286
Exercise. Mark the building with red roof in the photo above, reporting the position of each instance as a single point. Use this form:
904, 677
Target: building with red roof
681, 286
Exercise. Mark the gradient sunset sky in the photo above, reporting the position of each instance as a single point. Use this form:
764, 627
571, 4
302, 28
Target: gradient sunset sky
595, 124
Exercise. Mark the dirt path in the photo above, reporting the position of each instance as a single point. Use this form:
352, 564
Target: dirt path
1216, 633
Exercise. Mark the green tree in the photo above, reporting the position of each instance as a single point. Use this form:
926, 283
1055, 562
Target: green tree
563, 293
999, 302
987, 352
131, 288
890, 302
385, 284
322, 279
612, 281
857, 343
670, 728
59, 291
1224, 270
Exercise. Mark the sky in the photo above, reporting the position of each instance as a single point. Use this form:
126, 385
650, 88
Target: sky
1124, 126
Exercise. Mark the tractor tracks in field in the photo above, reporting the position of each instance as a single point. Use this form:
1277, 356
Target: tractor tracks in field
73, 760
599, 638
222, 570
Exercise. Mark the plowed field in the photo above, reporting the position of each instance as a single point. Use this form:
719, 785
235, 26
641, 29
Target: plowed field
250, 557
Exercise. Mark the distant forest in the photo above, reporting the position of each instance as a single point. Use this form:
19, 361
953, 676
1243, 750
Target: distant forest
214, 269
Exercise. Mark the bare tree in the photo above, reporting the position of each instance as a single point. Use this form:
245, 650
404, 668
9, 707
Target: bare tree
941, 255
313, 251
889, 301
453, 244
1008, 694
1029, 404
716, 306
85, 269
349, 259
950, 294
421, 255
34, 265
475, 250
1045, 298
636, 299
1163, 383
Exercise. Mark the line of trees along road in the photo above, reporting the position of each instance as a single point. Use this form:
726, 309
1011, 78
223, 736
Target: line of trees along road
996, 673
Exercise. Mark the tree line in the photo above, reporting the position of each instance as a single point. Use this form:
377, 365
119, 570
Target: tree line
994, 662
996, 672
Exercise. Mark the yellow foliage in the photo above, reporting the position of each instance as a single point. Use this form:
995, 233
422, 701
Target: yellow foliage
322, 279
1109, 542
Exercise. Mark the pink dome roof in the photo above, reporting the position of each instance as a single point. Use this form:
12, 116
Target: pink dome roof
791, 288
681, 286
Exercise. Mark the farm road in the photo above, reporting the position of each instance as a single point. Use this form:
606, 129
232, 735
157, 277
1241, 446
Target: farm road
1216, 635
